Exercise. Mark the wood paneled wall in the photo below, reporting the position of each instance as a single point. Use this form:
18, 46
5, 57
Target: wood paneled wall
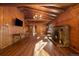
1, 16
7, 15
71, 17
40, 29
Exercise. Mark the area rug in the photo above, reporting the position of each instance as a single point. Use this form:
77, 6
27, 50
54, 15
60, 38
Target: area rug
39, 49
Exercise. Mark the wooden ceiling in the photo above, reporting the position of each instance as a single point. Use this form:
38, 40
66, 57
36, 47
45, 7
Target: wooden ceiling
48, 11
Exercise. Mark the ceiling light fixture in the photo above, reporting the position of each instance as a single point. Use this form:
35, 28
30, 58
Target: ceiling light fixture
37, 17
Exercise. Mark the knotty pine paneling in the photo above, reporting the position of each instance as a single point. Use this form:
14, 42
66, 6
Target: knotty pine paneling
9, 14
71, 17
1, 23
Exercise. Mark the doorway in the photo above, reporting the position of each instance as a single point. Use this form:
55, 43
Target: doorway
32, 29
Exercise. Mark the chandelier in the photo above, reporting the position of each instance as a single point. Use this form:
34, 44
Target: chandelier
37, 17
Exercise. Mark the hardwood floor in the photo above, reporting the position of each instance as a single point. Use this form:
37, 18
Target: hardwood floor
25, 47
54, 50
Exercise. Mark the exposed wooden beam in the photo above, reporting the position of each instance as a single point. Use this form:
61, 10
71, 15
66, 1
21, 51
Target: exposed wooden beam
39, 9
27, 11
53, 7
60, 5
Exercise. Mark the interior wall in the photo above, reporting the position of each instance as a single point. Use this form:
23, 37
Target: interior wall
7, 27
71, 17
1, 23
40, 29
1, 16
